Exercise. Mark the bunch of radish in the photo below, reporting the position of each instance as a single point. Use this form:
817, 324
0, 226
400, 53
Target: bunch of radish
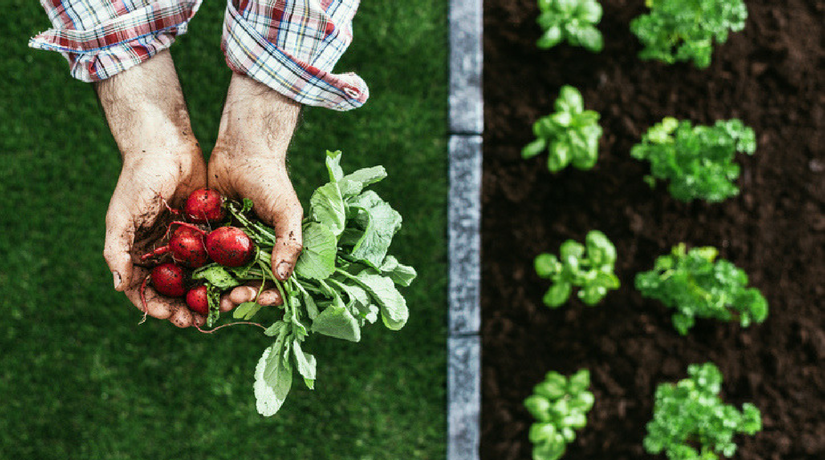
192, 247
344, 279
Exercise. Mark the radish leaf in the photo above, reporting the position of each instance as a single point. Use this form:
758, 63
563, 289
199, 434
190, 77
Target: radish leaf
336, 321
217, 276
394, 312
317, 261
305, 363
273, 377
327, 207
379, 222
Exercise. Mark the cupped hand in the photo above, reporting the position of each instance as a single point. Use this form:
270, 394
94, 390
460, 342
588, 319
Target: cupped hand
137, 219
249, 161
162, 164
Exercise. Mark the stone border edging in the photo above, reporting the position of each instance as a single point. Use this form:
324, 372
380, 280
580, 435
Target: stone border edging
466, 121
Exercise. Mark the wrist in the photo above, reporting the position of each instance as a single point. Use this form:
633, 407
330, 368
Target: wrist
145, 108
257, 119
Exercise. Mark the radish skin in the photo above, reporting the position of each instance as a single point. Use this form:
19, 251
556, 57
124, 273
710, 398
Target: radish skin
186, 245
204, 206
197, 300
169, 279
230, 246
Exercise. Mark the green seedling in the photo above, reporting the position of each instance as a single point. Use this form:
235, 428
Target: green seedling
573, 21
697, 160
690, 422
685, 30
588, 267
570, 135
697, 285
560, 406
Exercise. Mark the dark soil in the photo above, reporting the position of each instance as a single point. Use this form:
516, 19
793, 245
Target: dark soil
770, 76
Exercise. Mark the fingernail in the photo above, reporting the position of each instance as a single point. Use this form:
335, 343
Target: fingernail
284, 270
117, 279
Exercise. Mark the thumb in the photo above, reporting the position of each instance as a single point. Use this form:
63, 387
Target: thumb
120, 235
287, 222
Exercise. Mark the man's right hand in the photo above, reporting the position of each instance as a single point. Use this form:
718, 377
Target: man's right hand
162, 161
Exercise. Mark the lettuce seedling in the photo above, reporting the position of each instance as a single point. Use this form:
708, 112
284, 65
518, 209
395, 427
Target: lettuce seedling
573, 21
680, 30
690, 422
698, 160
560, 406
699, 286
588, 266
570, 135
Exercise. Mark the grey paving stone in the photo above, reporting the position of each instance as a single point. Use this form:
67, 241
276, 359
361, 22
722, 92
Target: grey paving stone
466, 59
464, 398
464, 234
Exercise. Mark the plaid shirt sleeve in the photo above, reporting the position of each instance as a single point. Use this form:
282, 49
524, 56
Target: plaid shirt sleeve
292, 46
100, 38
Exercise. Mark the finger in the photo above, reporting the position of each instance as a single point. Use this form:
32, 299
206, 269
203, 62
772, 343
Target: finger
243, 294
269, 298
289, 240
120, 234
181, 317
225, 304
198, 319
249, 293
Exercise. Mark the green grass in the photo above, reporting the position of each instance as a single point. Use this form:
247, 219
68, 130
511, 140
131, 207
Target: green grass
81, 379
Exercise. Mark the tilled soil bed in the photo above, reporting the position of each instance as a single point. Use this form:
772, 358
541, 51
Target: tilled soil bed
770, 76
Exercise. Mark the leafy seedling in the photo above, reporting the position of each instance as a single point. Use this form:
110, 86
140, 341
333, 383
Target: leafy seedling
570, 135
685, 30
699, 286
560, 406
573, 21
588, 266
697, 160
690, 421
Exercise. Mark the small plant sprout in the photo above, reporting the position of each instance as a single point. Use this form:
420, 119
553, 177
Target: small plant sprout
690, 422
697, 160
573, 21
570, 135
588, 266
679, 30
560, 406
699, 286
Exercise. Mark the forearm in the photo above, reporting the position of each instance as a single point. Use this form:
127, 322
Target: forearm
253, 107
145, 109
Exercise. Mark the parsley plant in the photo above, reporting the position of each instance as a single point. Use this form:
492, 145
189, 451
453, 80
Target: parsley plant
573, 21
588, 266
559, 405
690, 422
698, 160
571, 134
697, 285
684, 30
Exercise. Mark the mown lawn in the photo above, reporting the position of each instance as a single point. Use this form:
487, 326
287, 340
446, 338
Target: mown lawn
81, 379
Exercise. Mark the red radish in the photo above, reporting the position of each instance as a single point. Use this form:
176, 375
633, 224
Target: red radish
169, 279
204, 205
198, 300
186, 245
230, 246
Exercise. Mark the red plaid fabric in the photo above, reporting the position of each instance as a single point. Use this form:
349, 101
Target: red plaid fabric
289, 45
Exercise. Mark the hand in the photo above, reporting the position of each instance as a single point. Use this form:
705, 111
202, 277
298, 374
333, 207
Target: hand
162, 161
249, 161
